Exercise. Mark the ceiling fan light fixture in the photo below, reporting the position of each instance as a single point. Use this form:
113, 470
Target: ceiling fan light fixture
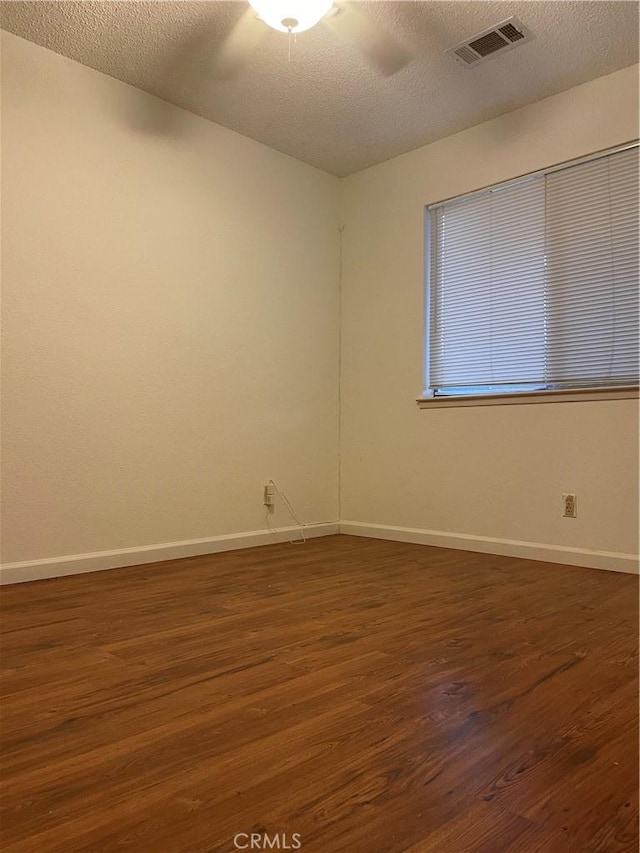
291, 16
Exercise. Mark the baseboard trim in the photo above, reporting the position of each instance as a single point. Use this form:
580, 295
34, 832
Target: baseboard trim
608, 560
31, 570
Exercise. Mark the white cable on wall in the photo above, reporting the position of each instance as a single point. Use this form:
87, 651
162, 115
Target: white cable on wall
294, 516
291, 512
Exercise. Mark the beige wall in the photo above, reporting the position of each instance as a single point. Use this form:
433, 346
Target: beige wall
493, 471
171, 316
170, 319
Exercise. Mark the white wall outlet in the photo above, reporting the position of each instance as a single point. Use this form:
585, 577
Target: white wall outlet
569, 506
268, 495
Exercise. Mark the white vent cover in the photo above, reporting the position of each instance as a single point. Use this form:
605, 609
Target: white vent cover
489, 43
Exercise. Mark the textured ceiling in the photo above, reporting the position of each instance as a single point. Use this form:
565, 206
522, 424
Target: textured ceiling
328, 106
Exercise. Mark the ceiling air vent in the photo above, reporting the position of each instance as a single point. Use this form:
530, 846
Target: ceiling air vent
498, 39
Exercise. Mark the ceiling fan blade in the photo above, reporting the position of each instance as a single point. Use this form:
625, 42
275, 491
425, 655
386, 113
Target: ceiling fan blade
236, 49
355, 27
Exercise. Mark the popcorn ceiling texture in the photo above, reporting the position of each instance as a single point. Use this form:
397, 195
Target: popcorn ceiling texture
328, 106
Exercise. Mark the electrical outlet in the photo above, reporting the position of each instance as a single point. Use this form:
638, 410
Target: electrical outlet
569, 506
267, 495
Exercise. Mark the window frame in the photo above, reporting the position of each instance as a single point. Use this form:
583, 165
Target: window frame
525, 395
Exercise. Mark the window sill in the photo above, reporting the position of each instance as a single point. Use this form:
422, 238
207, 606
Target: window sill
583, 395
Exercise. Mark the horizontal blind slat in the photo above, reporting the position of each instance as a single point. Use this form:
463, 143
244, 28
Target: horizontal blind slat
537, 281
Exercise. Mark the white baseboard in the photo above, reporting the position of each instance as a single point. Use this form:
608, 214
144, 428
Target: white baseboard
31, 570
609, 560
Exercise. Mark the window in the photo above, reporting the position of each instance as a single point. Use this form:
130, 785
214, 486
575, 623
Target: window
533, 284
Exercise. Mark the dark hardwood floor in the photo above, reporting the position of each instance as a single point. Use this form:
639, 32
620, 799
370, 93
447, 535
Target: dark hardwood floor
369, 696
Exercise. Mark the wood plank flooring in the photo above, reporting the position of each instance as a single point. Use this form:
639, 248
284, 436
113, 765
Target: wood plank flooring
344, 695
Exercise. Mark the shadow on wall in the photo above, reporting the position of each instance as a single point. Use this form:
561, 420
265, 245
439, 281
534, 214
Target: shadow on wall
201, 57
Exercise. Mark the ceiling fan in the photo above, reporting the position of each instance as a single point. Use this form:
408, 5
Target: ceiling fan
293, 16
344, 19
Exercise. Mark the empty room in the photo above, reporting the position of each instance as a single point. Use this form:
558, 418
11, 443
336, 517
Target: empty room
319, 426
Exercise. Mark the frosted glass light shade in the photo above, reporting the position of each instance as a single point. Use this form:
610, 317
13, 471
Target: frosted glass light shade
281, 14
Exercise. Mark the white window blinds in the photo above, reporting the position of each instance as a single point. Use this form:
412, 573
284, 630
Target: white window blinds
534, 284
